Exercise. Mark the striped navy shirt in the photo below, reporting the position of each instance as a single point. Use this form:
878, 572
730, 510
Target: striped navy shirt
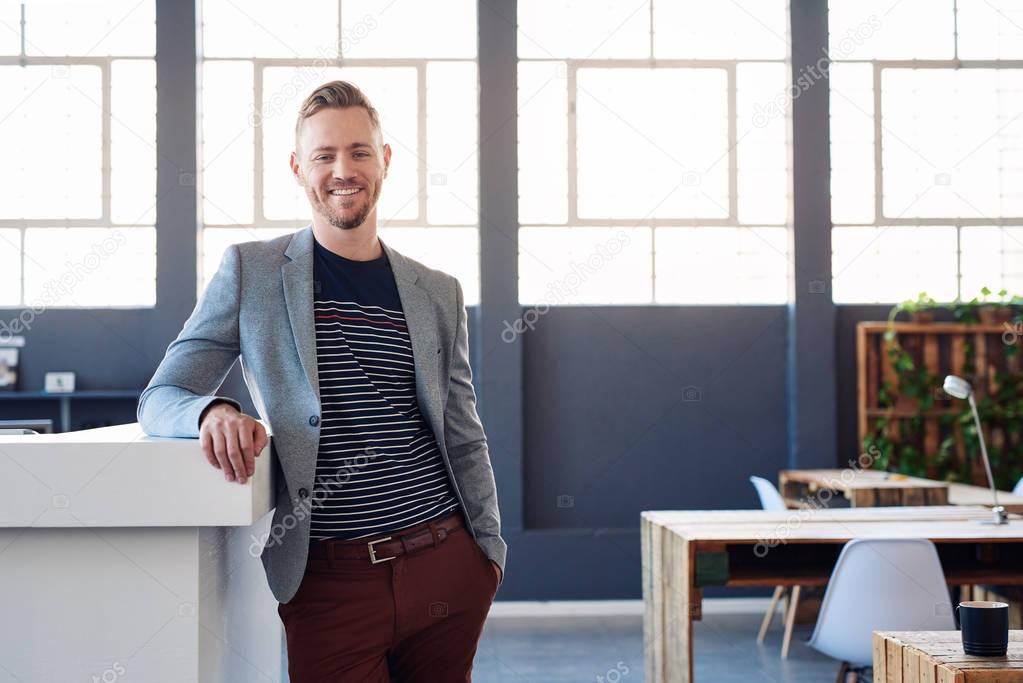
378, 468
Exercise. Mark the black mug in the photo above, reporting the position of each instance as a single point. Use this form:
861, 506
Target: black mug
985, 627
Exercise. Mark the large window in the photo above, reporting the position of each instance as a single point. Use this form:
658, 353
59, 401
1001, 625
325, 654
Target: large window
78, 136
262, 59
653, 161
926, 148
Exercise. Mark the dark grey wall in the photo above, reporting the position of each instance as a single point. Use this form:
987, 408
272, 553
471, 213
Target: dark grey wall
107, 349
631, 409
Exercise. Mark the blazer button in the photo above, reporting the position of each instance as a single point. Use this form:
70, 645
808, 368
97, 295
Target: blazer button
314, 420
303, 493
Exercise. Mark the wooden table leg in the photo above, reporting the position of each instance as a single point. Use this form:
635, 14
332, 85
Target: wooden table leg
790, 619
653, 604
769, 617
668, 612
679, 597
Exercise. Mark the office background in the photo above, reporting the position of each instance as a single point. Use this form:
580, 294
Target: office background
666, 264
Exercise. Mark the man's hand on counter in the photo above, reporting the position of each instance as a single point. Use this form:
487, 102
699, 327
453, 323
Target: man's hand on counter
231, 441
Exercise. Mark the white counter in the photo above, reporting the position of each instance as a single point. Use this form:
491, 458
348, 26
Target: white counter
129, 558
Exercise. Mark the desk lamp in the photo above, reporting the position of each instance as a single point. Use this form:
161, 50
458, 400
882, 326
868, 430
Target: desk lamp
957, 387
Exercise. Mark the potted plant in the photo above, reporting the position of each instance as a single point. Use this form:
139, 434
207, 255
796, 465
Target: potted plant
983, 309
919, 310
995, 312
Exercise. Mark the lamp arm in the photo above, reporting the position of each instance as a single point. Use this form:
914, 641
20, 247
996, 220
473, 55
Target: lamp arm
983, 447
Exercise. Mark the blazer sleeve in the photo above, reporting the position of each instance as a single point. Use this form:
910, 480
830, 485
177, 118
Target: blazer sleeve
466, 445
197, 362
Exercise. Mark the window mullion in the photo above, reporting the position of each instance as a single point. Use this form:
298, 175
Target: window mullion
257, 144
107, 200
422, 171
878, 156
571, 72
733, 146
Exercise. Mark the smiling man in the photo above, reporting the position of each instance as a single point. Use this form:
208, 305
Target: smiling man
385, 551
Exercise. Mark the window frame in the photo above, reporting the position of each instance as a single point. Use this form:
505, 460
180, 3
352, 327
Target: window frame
105, 220
572, 218
960, 223
259, 66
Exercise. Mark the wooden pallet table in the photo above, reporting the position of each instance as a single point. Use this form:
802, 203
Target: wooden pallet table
685, 551
873, 488
967, 494
937, 657
858, 488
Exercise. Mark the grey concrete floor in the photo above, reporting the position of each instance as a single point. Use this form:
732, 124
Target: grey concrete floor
610, 650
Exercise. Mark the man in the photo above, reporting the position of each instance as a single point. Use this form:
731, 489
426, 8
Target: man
385, 551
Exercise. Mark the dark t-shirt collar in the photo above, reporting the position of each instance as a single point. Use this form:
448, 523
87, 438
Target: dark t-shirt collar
340, 261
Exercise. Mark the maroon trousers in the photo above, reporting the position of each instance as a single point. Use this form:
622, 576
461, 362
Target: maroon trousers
417, 618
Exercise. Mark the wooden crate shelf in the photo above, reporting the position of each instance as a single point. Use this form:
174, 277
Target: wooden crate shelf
976, 352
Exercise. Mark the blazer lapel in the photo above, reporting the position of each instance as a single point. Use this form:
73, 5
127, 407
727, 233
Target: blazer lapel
298, 296
421, 319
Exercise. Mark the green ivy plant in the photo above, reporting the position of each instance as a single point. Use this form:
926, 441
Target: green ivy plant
917, 391
973, 311
913, 307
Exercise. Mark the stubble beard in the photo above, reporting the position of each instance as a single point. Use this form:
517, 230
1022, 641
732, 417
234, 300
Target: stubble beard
338, 220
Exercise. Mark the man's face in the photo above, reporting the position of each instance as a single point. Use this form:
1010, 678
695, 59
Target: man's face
341, 163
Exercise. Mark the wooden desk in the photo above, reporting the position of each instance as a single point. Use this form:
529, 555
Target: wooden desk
872, 488
683, 552
860, 488
965, 494
937, 657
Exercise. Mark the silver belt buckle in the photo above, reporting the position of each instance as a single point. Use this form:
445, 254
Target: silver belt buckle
373, 554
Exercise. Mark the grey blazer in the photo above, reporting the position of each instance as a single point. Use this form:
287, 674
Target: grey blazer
259, 306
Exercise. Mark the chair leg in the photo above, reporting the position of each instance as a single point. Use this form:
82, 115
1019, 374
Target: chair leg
766, 624
790, 619
843, 672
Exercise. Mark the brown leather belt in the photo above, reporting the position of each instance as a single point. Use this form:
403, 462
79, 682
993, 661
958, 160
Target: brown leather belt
383, 548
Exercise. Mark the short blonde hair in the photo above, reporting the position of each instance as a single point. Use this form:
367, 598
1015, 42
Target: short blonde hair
335, 95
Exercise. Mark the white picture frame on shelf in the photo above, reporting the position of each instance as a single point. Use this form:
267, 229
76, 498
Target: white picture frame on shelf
59, 382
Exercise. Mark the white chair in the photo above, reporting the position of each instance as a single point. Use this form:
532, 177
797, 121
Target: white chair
880, 585
770, 497
1018, 489
771, 500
